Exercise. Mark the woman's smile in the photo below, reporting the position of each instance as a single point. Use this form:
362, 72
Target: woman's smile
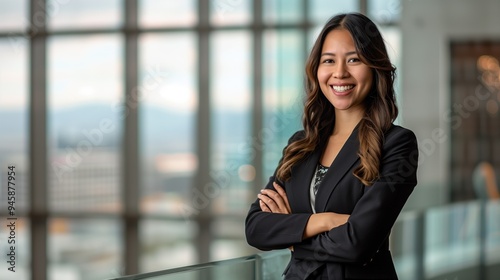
342, 89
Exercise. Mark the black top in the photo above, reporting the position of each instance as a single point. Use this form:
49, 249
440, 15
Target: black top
320, 174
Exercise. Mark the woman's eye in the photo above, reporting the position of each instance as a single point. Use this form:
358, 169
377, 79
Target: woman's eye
328, 61
354, 60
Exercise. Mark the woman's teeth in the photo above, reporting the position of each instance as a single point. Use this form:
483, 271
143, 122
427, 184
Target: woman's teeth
342, 88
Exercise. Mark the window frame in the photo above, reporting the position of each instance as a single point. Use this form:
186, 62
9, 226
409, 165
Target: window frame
130, 216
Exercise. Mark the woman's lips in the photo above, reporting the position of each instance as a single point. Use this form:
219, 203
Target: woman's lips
342, 90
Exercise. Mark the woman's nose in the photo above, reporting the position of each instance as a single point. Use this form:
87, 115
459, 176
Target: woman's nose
340, 71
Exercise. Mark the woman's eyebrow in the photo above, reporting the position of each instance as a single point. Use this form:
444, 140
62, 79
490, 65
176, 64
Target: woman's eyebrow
333, 54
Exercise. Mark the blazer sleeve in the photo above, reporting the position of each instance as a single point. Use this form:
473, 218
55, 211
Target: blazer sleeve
268, 231
375, 212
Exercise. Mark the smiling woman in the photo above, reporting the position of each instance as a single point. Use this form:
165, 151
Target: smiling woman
219, 85
339, 186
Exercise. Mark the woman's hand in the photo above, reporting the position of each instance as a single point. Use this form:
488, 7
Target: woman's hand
274, 201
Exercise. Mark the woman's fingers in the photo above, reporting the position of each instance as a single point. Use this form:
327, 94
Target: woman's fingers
272, 198
282, 193
276, 201
264, 207
269, 202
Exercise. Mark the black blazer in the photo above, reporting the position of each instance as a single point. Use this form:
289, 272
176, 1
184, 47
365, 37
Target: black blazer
358, 249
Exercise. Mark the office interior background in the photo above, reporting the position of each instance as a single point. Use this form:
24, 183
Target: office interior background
141, 130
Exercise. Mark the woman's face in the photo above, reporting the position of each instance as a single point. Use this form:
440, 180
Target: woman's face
343, 78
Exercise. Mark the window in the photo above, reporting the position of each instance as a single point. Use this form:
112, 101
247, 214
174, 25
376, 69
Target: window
213, 90
84, 128
14, 139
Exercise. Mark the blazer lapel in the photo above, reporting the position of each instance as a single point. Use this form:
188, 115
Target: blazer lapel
301, 180
347, 156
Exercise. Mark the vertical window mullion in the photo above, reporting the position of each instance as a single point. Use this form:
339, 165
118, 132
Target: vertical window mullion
363, 6
130, 148
306, 27
38, 140
257, 106
203, 130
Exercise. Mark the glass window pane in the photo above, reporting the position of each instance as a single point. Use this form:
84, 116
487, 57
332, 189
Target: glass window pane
283, 92
492, 232
229, 241
312, 35
392, 38
14, 130
85, 114
167, 244
161, 13
273, 263
230, 12
231, 101
452, 239
14, 15
22, 249
84, 249
167, 70
404, 247
383, 11
321, 10
80, 14
278, 11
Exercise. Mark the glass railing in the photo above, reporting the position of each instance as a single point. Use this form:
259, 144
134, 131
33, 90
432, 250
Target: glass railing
456, 241
268, 265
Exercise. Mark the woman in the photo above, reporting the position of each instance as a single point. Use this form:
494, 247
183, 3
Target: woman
344, 179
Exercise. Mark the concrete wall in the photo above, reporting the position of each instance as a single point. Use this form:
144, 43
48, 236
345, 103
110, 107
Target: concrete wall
427, 27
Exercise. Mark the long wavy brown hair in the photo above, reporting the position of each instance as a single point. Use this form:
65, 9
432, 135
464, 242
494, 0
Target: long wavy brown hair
319, 115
